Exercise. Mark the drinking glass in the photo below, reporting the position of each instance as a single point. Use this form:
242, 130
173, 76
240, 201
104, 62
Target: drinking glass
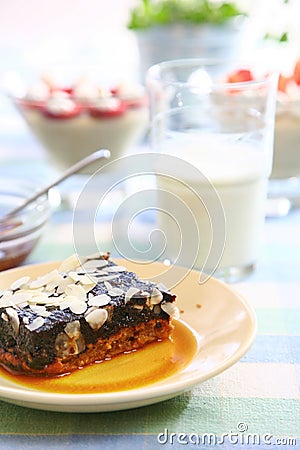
224, 132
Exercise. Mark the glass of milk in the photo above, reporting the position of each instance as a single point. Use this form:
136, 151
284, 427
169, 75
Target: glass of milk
214, 144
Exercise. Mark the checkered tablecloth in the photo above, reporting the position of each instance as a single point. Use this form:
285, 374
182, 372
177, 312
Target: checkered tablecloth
256, 399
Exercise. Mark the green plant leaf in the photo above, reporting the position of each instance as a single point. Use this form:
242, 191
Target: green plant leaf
160, 12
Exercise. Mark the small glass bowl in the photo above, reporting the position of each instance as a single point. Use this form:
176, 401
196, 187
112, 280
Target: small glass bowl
73, 114
20, 233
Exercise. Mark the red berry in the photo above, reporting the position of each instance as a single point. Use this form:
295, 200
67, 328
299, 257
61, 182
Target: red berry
283, 82
296, 74
240, 75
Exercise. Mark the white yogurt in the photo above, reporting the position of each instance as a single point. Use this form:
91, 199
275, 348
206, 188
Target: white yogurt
67, 141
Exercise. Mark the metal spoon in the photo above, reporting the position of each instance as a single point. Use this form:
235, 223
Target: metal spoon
103, 153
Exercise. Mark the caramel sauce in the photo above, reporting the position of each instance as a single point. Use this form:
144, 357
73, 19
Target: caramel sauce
142, 367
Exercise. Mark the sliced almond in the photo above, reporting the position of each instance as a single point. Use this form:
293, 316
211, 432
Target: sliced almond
162, 287
77, 291
40, 310
20, 282
78, 307
130, 293
63, 284
15, 321
35, 324
107, 285
170, 309
4, 317
106, 278
20, 297
156, 297
94, 264
116, 269
145, 294
54, 283
99, 300
70, 263
96, 318
74, 275
66, 302
88, 279
42, 299
43, 280
6, 300
115, 292
72, 329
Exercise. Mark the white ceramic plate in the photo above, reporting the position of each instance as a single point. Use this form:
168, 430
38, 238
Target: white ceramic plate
225, 322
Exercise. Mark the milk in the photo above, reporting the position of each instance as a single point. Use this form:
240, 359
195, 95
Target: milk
237, 173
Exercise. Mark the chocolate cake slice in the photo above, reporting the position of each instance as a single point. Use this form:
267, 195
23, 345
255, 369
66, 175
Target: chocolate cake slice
88, 310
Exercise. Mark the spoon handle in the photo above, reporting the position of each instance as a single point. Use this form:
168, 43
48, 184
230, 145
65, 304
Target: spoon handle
103, 153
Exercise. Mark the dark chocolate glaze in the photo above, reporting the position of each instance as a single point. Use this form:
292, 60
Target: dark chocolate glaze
37, 348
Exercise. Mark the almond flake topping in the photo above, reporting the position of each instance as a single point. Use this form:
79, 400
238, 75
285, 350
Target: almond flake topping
170, 309
74, 275
19, 283
12, 313
130, 293
65, 303
54, 283
77, 291
162, 287
42, 299
6, 300
35, 324
95, 264
107, 285
100, 273
96, 318
115, 292
99, 300
63, 284
156, 296
69, 264
87, 279
145, 294
40, 310
20, 297
69, 287
116, 269
88, 287
107, 278
43, 280
72, 329
78, 307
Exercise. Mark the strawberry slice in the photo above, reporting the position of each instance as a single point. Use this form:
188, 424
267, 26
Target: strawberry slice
283, 82
114, 91
296, 73
68, 90
240, 75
